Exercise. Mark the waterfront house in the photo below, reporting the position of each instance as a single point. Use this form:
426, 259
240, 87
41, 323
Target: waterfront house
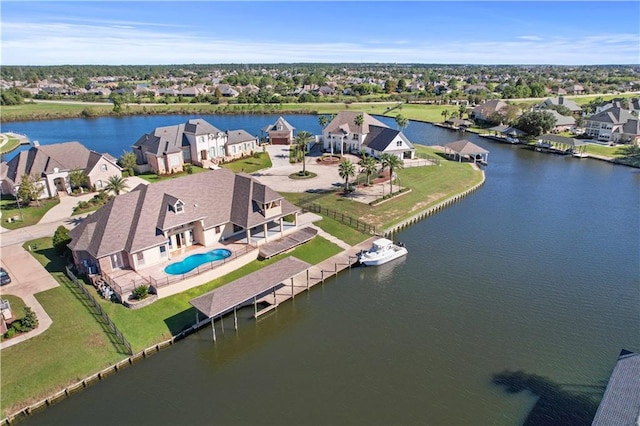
167, 149
144, 227
560, 101
613, 125
484, 111
563, 122
52, 164
374, 137
280, 132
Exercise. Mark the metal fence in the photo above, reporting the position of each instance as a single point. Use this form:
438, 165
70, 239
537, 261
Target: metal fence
340, 217
119, 336
431, 158
168, 280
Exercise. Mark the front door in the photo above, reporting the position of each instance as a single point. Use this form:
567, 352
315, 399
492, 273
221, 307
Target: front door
116, 261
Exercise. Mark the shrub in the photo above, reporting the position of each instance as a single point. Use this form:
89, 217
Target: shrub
10, 333
188, 168
30, 320
60, 240
141, 292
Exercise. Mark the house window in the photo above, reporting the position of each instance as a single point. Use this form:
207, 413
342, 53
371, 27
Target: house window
212, 152
103, 167
234, 149
99, 184
140, 258
217, 229
221, 151
399, 143
355, 136
179, 207
163, 251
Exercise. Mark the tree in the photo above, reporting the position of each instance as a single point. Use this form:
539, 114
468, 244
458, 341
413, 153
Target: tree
401, 121
346, 169
29, 189
127, 161
445, 114
536, 123
302, 140
390, 86
116, 184
368, 165
393, 162
359, 121
30, 320
323, 120
78, 178
402, 85
60, 239
462, 109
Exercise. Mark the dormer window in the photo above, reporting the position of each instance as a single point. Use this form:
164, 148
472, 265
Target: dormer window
179, 207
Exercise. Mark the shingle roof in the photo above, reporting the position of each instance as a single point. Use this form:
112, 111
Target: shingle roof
379, 138
614, 115
170, 139
489, 107
620, 404
44, 159
239, 136
465, 147
344, 122
574, 107
134, 221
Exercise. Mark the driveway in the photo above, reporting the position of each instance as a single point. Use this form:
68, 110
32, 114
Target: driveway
28, 277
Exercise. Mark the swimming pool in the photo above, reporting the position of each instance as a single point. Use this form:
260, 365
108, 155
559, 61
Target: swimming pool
192, 262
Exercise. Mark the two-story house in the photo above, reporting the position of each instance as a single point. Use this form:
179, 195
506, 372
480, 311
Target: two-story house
614, 125
354, 131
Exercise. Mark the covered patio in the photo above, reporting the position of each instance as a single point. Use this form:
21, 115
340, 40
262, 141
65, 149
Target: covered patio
466, 149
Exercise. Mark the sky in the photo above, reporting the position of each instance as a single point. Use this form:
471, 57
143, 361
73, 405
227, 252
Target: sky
213, 32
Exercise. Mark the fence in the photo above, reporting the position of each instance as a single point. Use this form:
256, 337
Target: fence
123, 289
163, 282
122, 340
340, 217
431, 158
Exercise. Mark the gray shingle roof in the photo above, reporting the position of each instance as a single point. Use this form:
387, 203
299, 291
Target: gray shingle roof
280, 125
239, 136
379, 138
465, 147
344, 122
613, 115
133, 221
620, 404
170, 139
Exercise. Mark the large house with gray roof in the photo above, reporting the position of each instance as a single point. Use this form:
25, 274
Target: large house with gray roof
52, 164
615, 125
143, 227
343, 135
167, 149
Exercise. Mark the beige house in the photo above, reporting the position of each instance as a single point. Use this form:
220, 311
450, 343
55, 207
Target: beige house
167, 149
614, 125
52, 164
342, 135
143, 227
280, 132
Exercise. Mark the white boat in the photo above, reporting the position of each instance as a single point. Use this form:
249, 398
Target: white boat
382, 251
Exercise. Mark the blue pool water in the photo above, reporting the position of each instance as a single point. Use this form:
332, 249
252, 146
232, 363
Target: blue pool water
192, 262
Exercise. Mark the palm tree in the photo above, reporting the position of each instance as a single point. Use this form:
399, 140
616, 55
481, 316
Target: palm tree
384, 162
445, 114
462, 109
369, 165
302, 140
346, 169
359, 121
393, 162
401, 121
323, 121
116, 184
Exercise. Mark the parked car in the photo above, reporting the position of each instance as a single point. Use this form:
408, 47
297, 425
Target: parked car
4, 277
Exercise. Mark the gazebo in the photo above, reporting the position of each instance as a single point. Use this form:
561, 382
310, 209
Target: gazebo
466, 149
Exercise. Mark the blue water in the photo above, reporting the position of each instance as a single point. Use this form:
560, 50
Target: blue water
192, 262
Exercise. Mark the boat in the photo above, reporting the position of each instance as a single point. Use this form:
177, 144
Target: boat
382, 251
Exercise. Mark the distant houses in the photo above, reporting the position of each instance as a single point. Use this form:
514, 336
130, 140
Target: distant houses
353, 131
167, 149
52, 164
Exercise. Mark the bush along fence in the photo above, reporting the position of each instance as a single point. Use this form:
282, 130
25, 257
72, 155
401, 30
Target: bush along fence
120, 339
340, 217
431, 210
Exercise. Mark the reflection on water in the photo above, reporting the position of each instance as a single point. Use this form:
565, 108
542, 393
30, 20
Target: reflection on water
383, 274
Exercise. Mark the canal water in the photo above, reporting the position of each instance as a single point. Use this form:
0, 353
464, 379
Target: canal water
537, 272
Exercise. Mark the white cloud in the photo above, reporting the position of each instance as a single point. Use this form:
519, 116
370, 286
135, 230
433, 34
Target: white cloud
125, 42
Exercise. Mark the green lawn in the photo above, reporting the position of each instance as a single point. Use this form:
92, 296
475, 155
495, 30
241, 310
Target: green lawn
607, 151
30, 214
44, 364
346, 233
429, 186
12, 143
168, 316
249, 164
17, 306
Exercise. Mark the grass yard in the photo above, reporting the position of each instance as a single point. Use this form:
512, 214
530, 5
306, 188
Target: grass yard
11, 144
249, 164
17, 306
169, 316
30, 214
429, 185
75, 346
607, 151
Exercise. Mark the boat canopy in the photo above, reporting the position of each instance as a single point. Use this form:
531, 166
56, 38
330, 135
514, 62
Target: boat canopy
382, 242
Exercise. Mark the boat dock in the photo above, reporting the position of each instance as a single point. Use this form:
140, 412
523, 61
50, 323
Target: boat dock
270, 286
